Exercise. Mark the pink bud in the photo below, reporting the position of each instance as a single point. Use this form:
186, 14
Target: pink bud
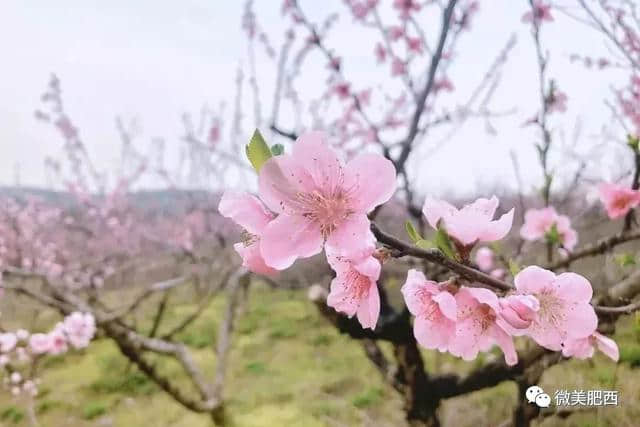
519, 310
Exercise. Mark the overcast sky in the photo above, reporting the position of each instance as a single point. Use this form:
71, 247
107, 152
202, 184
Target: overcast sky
154, 60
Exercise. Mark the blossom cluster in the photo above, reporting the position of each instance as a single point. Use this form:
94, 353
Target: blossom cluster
310, 200
19, 350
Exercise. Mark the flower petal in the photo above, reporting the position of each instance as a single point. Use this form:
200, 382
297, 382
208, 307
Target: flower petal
369, 309
447, 304
574, 287
287, 238
371, 179
496, 230
580, 321
607, 346
281, 179
246, 210
252, 259
352, 236
534, 279
434, 210
321, 163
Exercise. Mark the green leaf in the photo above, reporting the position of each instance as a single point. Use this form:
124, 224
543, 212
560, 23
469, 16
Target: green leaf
514, 267
257, 150
553, 236
425, 244
412, 232
626, 260
277, 149
633, 142
443, 242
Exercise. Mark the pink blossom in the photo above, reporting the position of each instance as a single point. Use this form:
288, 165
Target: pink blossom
354, 289
396, 33
249, 212
519, 310
557, 102
470, 224
8, 341
583, 348
40, 343
342, 90
434, 309
444, 84
477, 327
406, 7
398, 67
414, 44
320, 200
564, 313
618, 200
484, 258
541, 12
539, 222
58, 340
380, 52
498, 273
79, 328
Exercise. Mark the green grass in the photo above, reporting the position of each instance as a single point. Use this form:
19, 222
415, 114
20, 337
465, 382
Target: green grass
289, 367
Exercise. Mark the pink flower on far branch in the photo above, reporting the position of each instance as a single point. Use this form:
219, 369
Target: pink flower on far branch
398, 67
472, 223
484, 258
564, 313
541, 12
583, 348
478, 327
557, 103
354, 290
320, 200
435, 311
40, 343
79, 329
249, 212
8, 341
539, 223
618, 200
406, 7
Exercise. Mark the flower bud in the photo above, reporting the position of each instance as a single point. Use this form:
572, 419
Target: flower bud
519, 310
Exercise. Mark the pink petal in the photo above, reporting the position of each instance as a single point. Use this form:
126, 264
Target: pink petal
287, 238
534, 279
607, 346
372, 180
252, 259
505, 342
369, 267
447, 304
321, 163
496, 230
574, 287
434, 210
369, 309
245, 209
580, 321
415, 283
485, 296
340, 298
484, 208
351, 236
581, 348
433, 335
281, 179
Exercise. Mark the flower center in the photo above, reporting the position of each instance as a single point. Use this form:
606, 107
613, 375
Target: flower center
550, 308
326, 210
358, 285
622, 201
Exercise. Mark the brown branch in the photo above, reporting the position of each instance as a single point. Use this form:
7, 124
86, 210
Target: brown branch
422, 96
598, 248
434, 255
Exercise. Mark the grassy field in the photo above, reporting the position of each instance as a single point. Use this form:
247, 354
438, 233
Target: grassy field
290, 368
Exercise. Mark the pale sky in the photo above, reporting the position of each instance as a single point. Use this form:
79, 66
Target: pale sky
154, 60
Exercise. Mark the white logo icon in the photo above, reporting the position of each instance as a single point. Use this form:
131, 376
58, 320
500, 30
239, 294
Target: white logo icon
536, 394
